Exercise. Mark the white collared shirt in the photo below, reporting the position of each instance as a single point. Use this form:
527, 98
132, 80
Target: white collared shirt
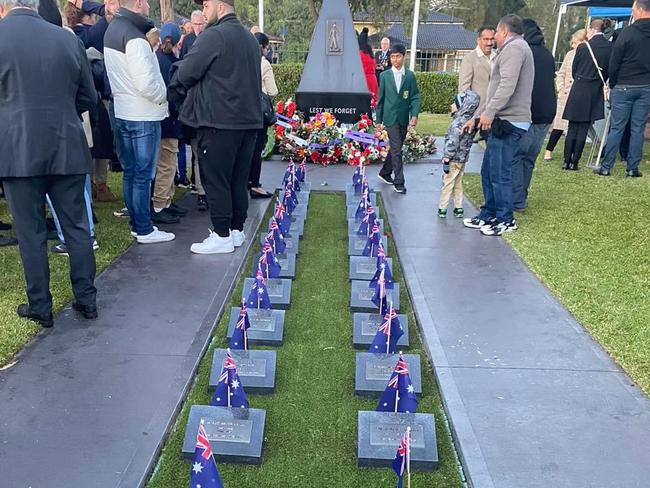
481, 54
399, 76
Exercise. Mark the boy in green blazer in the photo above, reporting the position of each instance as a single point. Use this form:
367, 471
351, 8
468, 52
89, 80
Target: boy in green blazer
398, 107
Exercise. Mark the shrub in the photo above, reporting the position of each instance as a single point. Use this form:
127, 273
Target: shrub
437, 90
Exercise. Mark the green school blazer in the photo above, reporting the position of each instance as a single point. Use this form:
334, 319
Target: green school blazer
397, 108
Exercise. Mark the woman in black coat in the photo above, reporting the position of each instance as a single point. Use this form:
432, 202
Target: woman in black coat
586, 102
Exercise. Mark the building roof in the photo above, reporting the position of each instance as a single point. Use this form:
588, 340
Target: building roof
442, 37
431, 18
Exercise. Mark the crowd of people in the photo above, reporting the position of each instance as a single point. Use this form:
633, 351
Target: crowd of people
519, 99
125, 95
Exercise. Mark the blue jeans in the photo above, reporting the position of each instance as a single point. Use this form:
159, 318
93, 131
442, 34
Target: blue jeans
523, 163
138, 144
496, 176
88, 199
629, 104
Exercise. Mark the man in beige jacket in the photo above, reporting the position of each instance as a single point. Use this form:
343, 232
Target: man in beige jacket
476, 66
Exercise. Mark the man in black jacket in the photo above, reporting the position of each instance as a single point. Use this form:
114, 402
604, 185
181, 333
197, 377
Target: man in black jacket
222, 78
43, 150
543, 109
629, 78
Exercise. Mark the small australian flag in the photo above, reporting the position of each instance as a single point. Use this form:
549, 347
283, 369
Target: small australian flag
268, 263
239, 339
288, 199
276, 238
374, 239
387, 335
368, 221
357, 180
229, 392
402, 461
383, 269
363, 204
381, 254
259, 296
399, 395
381, 285
301, 172
282, 217
204, 472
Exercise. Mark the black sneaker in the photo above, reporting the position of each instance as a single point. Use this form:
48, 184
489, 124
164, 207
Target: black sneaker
442, 213
8, 241
174, 209
184, 183
202, 203
478, 223
62, 250
163, 217
123, 213
386, 179
25, 313
635, 173
458, 213
399, 189
500, 228
602, 172
193, 190
4, 226
88, 312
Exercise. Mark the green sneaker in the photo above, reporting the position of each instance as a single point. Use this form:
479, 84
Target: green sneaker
458, 213
442, 213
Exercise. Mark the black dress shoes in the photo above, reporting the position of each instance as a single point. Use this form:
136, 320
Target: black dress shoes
88, 312
260, 193
44, 321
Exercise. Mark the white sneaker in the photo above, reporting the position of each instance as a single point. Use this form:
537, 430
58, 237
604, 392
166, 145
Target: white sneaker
135, 234
155, 237
238, 237
214, 244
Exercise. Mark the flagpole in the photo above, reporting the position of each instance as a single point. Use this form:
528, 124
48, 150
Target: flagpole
408, 457
389, 328
229, 405
397, 397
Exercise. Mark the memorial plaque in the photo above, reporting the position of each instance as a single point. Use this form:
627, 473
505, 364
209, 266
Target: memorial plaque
297, 228
387, 433
373, 372
236, 434
352, 198
256, 369
356, 244
349, 188
279, 290
267, 326
292, 246
365, 327
352, 211
287, 262
379, 435
353, 227
363, 268
300, 212
361, 295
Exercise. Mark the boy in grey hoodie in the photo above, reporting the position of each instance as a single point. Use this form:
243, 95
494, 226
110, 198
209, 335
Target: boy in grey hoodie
456, 153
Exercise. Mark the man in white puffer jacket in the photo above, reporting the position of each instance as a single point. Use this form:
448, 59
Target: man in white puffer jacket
140, 99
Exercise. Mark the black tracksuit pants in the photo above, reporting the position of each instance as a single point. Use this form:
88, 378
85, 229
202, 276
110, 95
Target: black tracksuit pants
225, 161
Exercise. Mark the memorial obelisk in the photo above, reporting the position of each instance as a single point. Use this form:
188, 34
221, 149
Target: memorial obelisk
333, 78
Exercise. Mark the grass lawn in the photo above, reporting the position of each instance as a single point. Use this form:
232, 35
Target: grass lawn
435, 124
588, 240
311, 421
113, 237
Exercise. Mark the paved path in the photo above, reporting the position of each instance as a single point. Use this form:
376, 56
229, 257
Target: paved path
533, 401
88, 404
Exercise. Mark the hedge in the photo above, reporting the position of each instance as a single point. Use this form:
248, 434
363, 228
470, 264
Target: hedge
436, 89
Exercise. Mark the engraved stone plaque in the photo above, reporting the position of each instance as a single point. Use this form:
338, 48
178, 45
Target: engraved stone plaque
356, 244
279, 290
256, 369
380, 433
267, 326
365, 327
334, 37
361, 295
237, 433
374, 370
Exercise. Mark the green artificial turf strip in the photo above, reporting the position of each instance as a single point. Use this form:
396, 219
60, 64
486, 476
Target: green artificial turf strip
436, 124
113, 237
311, 419
588, 239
